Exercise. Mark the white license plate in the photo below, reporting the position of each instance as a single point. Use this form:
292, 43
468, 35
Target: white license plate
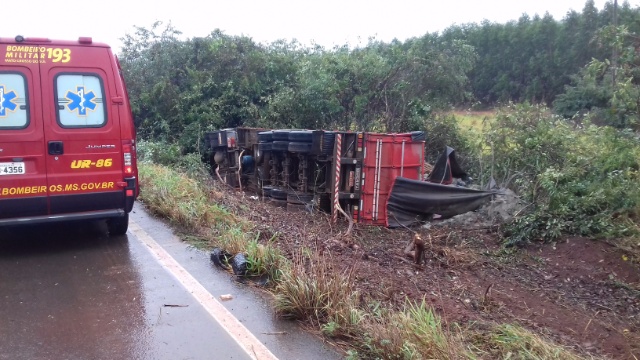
12, 168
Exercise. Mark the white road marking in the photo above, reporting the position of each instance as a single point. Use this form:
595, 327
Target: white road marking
247, 341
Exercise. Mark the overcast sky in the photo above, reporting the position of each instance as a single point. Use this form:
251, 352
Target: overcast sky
327, 22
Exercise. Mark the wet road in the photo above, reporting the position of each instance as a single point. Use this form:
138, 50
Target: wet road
68, 291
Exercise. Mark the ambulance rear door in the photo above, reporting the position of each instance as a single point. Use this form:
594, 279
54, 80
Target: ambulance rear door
82, 130
23, 173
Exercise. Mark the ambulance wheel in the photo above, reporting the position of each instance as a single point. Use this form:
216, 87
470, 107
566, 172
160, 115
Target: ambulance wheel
118, 226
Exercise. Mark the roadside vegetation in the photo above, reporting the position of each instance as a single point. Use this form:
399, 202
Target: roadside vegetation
306, 288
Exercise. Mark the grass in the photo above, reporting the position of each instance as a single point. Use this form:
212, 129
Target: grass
183, 200
307, 288
310, 290
509, 341
175, 196
474, 122
414, 332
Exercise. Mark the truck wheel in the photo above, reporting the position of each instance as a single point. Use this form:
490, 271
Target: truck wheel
280, 135
328, 142
265, 146
265, 136
118, 226
220, 258
279, 194
300, 136
280, 145
239, 264
266, 190
299, 147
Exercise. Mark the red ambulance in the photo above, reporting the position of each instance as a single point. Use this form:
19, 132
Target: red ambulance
67, 137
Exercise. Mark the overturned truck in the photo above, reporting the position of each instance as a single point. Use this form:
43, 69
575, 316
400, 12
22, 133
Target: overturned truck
328, 170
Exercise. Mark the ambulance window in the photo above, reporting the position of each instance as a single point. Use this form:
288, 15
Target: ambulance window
80, 100
14, 112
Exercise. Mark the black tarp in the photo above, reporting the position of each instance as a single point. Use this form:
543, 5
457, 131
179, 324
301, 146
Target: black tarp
412, 202
446, 168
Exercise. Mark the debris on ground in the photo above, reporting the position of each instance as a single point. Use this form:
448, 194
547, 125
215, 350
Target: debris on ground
580, 292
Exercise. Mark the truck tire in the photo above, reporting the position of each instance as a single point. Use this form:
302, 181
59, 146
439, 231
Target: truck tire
265, 146
328, 141
118, 225
266, 191
265, 136
300, 136
278, 194
220, 258
280, 135
299, 147
239, 264
279, 145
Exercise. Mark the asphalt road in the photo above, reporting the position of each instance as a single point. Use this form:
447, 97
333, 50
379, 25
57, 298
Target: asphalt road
69, 291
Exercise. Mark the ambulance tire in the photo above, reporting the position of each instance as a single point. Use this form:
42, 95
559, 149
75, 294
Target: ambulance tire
118, 225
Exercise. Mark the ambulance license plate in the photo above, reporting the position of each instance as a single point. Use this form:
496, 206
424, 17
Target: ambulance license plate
12, 168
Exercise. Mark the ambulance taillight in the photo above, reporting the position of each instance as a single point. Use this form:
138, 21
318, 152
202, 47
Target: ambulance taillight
127, 159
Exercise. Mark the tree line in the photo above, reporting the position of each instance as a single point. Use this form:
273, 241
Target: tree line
581, 63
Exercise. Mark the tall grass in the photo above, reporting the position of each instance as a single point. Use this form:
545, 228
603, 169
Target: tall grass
414, 332
177, 197
517, 343
311, 290
174, 195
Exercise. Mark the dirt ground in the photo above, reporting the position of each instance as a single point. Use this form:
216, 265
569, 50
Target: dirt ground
581, 293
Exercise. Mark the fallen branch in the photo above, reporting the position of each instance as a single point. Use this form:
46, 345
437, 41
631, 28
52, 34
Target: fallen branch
348, 218
218, 173
240, 169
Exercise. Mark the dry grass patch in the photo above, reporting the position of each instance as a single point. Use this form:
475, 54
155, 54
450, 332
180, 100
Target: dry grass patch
310, 290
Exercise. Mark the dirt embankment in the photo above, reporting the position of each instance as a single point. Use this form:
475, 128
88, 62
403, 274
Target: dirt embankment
581, 293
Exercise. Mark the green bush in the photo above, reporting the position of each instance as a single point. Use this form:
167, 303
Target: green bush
172, 155
444, 130
580, 181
